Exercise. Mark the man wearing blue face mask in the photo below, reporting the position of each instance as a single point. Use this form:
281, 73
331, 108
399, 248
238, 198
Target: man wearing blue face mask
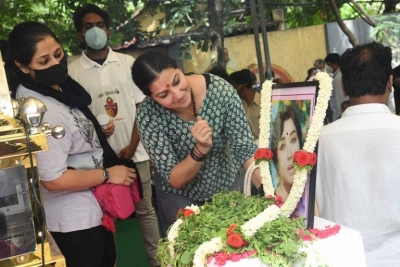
106, 75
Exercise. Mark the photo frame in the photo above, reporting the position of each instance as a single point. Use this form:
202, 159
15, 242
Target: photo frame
292, 109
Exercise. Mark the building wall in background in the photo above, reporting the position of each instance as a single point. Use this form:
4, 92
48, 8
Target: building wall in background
293, 51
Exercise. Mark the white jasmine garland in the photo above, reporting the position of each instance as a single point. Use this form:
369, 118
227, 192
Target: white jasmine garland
265, 128
300, 177
324, 94
174, 231
265, 114
269, 214
173, 234
205, 249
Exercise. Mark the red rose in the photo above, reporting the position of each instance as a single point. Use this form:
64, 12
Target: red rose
313, 159
267, 154
258, 154
231, 228
278, 201
302, 158
187, 213
263, 153
180, 212
236, 241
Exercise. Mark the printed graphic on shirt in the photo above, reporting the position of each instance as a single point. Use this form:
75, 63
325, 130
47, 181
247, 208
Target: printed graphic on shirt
107, 93
111, 107
86, 129
96, 163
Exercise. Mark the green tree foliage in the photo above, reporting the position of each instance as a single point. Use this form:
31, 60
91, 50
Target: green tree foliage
193, 16
57, 14
189, 14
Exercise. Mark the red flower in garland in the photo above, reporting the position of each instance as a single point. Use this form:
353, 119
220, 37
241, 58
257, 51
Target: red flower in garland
303, 158
184, 212
188, 212
313, 159
263, 154
278, 201
231, 228
236, 241
180, 212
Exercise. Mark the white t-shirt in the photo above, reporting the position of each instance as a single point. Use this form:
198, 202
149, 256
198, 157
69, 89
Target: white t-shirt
358, 178
68, 211
114, 93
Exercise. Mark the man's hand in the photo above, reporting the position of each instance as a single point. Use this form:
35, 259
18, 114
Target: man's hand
109, 129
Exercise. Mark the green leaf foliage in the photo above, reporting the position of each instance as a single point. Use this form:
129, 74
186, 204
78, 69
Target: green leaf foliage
276, 243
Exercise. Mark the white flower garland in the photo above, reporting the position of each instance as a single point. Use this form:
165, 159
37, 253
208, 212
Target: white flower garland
265, 125
174, 230
205, 249
271, 212
300, 177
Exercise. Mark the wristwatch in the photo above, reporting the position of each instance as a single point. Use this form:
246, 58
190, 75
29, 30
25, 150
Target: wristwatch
106, 175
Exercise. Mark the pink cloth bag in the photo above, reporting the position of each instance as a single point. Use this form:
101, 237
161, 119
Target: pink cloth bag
117, 201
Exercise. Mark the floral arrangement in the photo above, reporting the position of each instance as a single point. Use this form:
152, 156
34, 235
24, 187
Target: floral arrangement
234, 226
219, 224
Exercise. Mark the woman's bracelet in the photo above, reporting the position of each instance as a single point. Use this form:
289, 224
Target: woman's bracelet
197, 151
196, 155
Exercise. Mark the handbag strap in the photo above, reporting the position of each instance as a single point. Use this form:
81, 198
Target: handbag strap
247, 178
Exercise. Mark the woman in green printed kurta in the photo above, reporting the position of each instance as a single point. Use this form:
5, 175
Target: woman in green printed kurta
195, 131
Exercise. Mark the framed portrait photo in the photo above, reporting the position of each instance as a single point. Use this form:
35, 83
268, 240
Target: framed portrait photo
292, 110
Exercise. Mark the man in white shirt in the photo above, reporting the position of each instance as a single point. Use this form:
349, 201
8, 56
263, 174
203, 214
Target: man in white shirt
358, 182
338, 96
106, 75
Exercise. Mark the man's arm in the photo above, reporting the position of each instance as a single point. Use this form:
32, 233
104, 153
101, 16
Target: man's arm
129, 151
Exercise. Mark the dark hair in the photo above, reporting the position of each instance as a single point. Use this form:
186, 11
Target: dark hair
366, 69
284, 114
243, 76
220, 71
148, 66
24, 38
82, 11
333, 58
309, 73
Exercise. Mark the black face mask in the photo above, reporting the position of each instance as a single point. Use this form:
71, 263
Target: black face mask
56, 74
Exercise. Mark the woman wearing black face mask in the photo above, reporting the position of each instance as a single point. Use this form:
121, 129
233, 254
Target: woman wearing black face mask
75, 163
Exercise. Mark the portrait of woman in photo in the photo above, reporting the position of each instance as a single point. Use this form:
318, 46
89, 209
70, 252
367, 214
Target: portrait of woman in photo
286, 139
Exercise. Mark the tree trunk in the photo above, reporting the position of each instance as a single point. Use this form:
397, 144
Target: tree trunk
217, 31
352, 38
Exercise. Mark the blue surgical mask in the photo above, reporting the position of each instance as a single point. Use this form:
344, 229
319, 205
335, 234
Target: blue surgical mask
96, 38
